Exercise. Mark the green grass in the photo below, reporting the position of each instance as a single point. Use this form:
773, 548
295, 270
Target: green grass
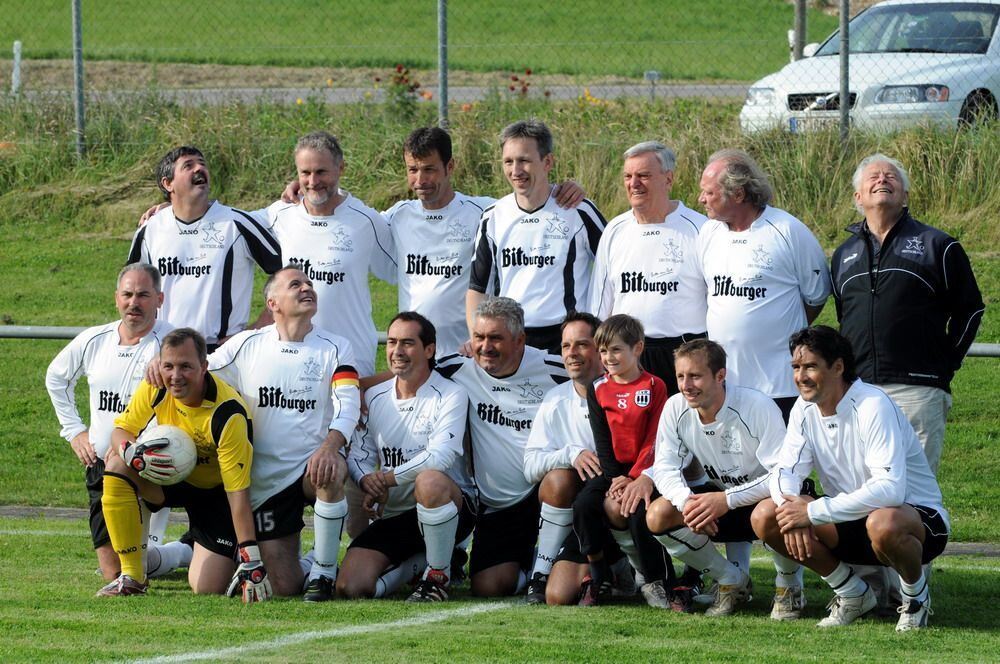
684, 40
49, 614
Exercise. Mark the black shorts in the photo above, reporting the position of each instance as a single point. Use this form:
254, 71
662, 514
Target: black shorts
95, 489
658, 357
854, 546
209, 520
281, 514
398, 537
734, 525
506, 536
570, 550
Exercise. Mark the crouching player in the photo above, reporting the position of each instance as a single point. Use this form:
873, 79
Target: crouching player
408, 460
735, 432
883, 505
215, 495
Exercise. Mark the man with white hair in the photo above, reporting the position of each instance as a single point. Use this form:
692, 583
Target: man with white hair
907, 300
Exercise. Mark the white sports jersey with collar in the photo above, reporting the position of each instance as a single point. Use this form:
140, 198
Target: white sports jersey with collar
560, 432
501, 413
757, 282
866, 455
408, 436
542, 258
652, 272
337, 252
737, 449
113, 372
206, 266
297, 392
434, 256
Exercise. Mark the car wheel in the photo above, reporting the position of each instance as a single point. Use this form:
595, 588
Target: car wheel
979, 107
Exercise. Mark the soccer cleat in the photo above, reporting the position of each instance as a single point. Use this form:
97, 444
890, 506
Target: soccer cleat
319, 589
656, 594
536, 589
432, 588
624, 584
727, 596
123, 586
691, 578
592, 594
459, 557
845, 610
913, 615
788, 603
707, 595
682, 600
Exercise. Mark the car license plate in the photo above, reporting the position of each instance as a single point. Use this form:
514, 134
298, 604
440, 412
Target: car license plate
800, 125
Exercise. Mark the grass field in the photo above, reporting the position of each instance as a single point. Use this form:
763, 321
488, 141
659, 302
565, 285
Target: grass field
709, 39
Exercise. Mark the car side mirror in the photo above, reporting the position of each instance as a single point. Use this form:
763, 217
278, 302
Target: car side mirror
809, 50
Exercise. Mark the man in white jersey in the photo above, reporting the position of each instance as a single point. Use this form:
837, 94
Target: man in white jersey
766, 273
113, 358
506, 382
409, 460
882, 504
647, 263
302, 388
204, 250
528, 248
735, 432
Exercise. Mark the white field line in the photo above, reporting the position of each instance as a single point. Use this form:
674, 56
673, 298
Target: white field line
304, 637
45, 533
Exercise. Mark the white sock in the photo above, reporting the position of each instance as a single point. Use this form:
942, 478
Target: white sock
628, 547
394, 577
438, 525
328, 527
163, 559
555, 524
917, 590
738, 553
845, 582
788, 573
698, 551
306, 564
158, 526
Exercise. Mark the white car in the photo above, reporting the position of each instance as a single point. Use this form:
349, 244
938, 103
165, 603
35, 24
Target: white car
912, 62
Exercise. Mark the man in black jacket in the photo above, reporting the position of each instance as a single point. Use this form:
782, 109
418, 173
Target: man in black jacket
906, 299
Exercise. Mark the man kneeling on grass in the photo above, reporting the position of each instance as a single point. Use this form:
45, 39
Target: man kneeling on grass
883, 505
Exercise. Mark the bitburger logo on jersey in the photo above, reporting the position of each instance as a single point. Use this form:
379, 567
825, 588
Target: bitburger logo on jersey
110, 402
636, 282
518, 257
274, 397
171, 266
420, 265
494, 414
323, 276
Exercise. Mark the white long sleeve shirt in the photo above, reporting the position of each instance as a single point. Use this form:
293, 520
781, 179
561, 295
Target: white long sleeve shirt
560, 432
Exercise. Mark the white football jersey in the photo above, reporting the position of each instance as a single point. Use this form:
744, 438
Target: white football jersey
737, 449
542, 258
560, 432
297, 391
866, 455
433, 258
652, 272
501, 413
757, 282
206, 266
408, 436
337, 252
113, 372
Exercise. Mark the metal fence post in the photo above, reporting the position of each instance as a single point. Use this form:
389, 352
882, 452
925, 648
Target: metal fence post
845, 76
800, 29
443, 64
15, 74
78, 77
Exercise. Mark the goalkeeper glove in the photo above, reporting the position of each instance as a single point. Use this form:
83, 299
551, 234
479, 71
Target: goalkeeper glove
149, 459
250, 578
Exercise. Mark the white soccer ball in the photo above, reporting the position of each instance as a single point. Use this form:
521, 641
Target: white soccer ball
171, 464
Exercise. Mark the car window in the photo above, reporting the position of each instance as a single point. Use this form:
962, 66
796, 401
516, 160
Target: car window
947, 27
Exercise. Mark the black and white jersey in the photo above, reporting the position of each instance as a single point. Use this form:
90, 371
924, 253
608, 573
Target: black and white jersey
337, 253
560, 432
297, 391
866, 455
113, 372
652, 272
737, 449
501, 411
542, 258
409, 436
433, 259
758, 280
206, 266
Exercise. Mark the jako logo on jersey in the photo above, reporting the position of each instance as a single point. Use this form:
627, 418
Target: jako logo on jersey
635, 282
499, 388
421, 265
193, 231
731, 480
126, 353
320, 224
518, 258
110, 402
291, 351
648, 233
724, 287
273, 397
739, 241
708, 433
531, 220
434, 217
642, 398
492, 414
172, 267
322, 276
